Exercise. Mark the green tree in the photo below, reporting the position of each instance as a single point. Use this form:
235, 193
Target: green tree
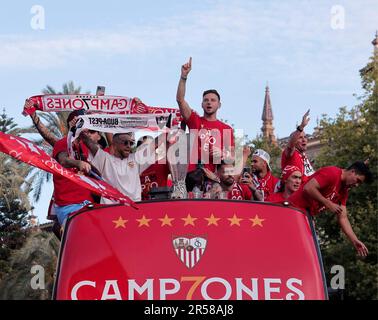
56, 123
352, 136
14, 204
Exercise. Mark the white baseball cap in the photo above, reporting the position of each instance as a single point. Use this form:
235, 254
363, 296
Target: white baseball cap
263, 155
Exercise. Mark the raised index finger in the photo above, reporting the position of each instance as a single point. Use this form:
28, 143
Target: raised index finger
190, 62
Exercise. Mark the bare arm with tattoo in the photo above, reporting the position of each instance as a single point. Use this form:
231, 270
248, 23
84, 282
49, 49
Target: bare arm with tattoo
68, 162
92, 146
42, 129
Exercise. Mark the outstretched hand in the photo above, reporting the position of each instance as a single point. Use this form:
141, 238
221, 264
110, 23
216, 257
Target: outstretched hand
246, 151
361, 248
305, 119
185, 69
334, 208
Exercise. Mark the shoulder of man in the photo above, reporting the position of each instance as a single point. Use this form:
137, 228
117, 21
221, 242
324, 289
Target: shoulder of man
275, 179
326, 175
194, 120
332, 170
60, 146
224, 125
294, 159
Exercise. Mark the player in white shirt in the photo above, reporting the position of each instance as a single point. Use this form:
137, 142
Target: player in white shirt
121, 168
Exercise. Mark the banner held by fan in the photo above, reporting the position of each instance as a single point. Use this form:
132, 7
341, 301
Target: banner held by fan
122, 123
26, 151
94, 104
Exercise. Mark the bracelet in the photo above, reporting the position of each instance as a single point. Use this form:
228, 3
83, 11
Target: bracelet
184, 78
299, 129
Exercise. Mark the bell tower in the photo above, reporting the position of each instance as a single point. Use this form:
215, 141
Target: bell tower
267, 118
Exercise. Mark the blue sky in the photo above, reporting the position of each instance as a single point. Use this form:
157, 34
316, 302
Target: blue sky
309, 57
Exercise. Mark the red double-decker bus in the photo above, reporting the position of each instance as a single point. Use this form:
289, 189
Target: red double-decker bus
190, 249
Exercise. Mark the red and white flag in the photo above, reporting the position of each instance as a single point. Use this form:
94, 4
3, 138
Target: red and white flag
92, 104
26, 151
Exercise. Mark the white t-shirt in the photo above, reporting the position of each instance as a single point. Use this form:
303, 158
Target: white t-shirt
122, 174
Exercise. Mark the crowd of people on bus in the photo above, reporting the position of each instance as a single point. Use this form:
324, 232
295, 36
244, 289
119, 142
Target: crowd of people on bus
211, 174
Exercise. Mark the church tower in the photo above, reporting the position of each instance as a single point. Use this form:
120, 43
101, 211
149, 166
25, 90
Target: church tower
267, 118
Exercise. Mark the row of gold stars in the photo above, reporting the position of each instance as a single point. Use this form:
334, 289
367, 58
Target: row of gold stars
189, 220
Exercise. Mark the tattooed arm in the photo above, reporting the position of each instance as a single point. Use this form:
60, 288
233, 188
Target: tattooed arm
42, 129
92, 146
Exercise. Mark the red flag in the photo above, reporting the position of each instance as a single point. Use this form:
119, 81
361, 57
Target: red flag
26, 151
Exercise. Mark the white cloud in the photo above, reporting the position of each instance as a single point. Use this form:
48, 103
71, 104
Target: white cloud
287, 35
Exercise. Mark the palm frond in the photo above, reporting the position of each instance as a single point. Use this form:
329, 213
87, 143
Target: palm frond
49, 90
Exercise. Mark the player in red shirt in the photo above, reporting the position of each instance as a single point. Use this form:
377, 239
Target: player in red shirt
328, 190
215, 138
291, 179
156, 175
295, 152
262, 176
68, 196
227, 186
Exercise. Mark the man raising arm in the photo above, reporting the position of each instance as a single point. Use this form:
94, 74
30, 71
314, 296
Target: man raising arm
185, 109
295, 152
215, 138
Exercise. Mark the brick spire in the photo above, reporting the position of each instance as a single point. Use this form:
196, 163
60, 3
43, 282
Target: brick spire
267, 118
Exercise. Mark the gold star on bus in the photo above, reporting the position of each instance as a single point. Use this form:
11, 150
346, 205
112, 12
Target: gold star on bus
235, 220
119, 223
189, 220
257, 221
144, 221
212, 220
166, 221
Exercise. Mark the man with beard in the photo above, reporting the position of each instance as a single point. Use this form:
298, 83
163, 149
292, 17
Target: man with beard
228, 188
291, 179
295, 152
215, 138
328, 189
121, 168
262, 176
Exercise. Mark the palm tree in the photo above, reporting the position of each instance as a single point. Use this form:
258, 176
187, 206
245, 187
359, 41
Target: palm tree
12, 172
56, 124
14, 200
56, 121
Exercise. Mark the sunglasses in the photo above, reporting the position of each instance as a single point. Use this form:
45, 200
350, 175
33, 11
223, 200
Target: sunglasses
92, 131
128, 143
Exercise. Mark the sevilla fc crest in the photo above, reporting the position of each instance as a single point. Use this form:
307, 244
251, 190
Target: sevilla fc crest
190, 248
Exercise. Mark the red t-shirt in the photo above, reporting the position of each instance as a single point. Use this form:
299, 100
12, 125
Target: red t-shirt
239, 192
301, 161
222, 137
267, 184
276, 197
65, 191
331, 187
156, 175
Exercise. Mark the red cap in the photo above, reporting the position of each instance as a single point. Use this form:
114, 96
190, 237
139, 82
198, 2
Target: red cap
288, 171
